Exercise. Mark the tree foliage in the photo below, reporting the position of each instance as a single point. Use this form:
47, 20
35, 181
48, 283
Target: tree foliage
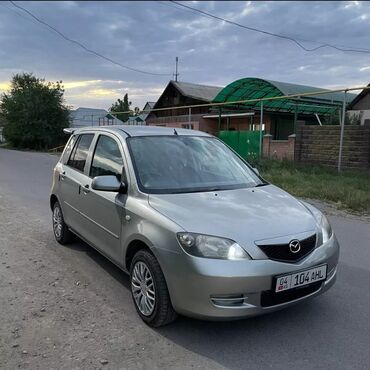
351, 118
122, 106
34, 113
136, 111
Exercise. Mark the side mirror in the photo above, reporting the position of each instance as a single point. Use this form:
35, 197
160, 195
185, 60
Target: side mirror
256, 171
107, 183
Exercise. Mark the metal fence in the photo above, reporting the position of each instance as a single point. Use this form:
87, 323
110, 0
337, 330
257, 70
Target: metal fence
294, 98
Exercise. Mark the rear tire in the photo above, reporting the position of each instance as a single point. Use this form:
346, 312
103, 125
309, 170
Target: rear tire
149, 290
61, 232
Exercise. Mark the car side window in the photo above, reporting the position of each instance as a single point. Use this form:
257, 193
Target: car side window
80, 151
68, 149
107, 159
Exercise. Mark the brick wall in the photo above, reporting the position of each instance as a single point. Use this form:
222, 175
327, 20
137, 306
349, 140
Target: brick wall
175, 121
199, 123
320, 144
278, 149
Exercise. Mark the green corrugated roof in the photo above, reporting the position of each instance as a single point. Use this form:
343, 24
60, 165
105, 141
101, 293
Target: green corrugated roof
255, 88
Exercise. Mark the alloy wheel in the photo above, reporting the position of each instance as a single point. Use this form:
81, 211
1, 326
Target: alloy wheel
57, 222
143, 290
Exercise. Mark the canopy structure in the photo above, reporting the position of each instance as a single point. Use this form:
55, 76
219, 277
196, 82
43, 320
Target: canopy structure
256, 88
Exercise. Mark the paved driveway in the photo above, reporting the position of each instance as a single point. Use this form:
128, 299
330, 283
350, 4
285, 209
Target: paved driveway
68, 307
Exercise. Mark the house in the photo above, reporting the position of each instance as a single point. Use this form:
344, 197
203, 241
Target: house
280, 117
147, 109
177, 94
82, 117
360, 105
140, 119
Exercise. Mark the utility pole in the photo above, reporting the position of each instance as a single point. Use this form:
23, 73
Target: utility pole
176, 73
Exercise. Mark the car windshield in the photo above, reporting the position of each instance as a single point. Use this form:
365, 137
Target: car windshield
184, 164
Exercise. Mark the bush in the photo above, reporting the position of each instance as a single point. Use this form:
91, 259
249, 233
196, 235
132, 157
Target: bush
34, 113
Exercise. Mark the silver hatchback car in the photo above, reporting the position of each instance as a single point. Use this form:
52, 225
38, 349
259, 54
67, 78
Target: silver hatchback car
198, 230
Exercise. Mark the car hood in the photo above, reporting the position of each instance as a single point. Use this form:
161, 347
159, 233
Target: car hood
247, 216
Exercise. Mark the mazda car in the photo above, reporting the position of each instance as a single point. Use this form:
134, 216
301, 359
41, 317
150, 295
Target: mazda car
197, 229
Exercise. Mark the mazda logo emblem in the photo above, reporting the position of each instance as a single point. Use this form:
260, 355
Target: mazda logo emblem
295, 246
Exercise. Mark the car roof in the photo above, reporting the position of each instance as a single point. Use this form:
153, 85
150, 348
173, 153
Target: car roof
130, 130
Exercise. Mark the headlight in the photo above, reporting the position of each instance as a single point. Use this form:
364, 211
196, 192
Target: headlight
211, 247
326, 230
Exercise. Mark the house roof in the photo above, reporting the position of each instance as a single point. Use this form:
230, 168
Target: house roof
204, 93
256, 88
150, 104
358, 98
81, 112
138, 118
142, 116
90, 116
196, 91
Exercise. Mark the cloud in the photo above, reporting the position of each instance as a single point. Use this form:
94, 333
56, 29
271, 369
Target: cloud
350, 4
4, 86
76, 84
149, 35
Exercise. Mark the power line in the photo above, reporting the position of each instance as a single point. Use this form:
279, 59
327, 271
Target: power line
82, 46
295, 40
19, 14
255, 100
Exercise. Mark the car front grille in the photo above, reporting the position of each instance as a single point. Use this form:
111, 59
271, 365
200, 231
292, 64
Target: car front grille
282, 252
270, 298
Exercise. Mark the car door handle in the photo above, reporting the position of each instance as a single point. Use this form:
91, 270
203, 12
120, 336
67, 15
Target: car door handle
62, 175
86, 189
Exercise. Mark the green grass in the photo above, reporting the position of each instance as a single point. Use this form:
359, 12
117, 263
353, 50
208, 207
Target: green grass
348, 190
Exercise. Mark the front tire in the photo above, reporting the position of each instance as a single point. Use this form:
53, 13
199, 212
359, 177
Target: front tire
149, 290
61, 232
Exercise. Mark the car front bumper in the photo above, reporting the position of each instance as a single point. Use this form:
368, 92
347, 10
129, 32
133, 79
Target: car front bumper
222, 289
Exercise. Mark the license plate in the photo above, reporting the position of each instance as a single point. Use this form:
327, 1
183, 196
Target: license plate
301, 278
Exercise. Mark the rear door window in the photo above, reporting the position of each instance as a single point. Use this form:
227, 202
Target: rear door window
78, 157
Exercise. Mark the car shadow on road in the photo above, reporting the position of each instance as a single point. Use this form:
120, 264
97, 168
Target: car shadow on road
108, 266
290, 336
258, 342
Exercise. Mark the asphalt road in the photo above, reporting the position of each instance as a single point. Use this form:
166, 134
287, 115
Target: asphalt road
68, 307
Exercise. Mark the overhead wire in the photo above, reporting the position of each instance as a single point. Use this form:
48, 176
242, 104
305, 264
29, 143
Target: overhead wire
82, 46
255, 100
289, 38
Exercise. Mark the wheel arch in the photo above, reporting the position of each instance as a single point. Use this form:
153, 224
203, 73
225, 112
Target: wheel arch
132, 248
53, 200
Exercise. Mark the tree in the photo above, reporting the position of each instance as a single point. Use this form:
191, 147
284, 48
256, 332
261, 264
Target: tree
122, 106
351, 118
34, 113
136, 111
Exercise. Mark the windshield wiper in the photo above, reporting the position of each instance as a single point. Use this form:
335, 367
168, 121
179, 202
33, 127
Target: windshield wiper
205, 190
201, 190
262, 184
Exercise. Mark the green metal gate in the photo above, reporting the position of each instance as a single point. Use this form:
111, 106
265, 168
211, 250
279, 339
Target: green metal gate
245, 143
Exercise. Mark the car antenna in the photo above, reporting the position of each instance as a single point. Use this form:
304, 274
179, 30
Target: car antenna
175, 132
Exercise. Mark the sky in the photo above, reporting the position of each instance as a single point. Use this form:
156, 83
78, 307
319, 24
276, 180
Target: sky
148, 35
